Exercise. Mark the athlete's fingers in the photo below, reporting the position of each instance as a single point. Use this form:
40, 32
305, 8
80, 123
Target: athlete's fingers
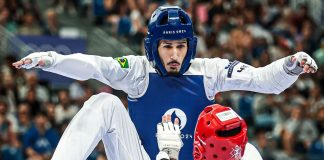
169, 124
176, 121
159, 127
18, 64
22, 62
176, 125
313, 70
306, 68
168, 118
164, 123
163, 118
310, 70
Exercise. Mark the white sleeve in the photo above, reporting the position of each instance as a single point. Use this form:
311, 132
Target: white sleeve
251, 153
104, 69
225, 75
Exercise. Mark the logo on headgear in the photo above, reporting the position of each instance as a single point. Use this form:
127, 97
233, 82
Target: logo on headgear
236, 152
175, 31
180, 114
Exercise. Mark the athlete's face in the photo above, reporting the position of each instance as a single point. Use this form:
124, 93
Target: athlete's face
172, 53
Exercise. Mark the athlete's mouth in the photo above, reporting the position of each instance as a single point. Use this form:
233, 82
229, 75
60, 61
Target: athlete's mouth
173, 64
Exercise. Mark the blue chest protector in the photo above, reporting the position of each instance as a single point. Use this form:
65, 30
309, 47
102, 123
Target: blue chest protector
183, 97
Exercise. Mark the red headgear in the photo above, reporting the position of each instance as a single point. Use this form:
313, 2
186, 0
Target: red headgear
220, 134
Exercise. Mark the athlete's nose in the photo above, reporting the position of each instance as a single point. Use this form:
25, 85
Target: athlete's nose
174, 55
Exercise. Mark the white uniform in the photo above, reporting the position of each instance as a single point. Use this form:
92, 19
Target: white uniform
251, 153
104, 117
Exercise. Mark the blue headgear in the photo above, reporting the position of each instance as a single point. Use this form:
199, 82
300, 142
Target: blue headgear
169, 23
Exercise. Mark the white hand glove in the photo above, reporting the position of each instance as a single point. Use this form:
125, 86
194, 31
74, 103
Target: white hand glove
37, 60
299, 63
169, 139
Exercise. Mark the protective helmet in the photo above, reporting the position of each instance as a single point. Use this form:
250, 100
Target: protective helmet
169, 23
220, 134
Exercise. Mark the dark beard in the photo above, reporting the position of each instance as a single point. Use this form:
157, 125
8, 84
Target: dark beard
176, 74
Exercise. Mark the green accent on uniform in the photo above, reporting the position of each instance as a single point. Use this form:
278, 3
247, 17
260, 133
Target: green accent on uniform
123, 62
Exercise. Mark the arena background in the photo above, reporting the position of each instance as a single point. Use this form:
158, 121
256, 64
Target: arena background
288, 126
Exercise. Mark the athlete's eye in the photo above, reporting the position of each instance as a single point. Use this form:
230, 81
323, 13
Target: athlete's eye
167, 46
181, 46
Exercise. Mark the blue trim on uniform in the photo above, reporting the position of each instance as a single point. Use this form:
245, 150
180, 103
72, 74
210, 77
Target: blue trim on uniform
231, 68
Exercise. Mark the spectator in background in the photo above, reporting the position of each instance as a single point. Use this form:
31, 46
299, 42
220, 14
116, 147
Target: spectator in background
7, 116
11, 150
32, 101
319, 119
64, 110
9, 144
138, 28
319, 53
31, 5
40, 140
6, 130
263, 108
298, 132
239, 45
263, 143
30, 25
24, 119
245, 109
49, 107
8, 59
16, 9
307, 36
42, 94
304, 86
5, 21
78, 92
9, 91
112, 17
51, 23
149, 8
317, 147
124, 23
315, 101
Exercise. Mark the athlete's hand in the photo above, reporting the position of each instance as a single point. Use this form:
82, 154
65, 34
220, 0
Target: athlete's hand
168, 136
300, 63
36, 59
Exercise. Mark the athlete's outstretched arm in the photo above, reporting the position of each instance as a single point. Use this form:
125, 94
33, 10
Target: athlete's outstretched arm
273, 78
117, 73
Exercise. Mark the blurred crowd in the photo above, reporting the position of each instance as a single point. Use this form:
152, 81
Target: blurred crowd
286, 126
